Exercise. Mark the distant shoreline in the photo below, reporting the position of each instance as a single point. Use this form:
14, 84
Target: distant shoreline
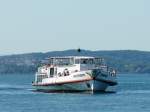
124, 61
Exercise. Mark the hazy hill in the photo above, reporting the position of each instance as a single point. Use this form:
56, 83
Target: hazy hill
125, 61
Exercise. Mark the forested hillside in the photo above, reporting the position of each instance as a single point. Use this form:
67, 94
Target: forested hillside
125, 61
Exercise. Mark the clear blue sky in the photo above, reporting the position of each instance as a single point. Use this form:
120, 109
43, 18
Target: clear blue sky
47, 25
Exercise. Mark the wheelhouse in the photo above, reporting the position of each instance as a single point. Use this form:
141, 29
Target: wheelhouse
75, 60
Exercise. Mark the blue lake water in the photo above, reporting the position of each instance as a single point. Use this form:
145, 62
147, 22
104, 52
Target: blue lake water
133, 95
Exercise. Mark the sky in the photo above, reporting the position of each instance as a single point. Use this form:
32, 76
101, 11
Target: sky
55, 25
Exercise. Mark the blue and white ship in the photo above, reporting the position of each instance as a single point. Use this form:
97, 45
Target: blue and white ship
75, 73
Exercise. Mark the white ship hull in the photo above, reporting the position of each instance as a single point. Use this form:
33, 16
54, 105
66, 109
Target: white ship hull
91, 85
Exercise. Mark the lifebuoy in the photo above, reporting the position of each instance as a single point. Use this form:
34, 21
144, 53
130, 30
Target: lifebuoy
66, 72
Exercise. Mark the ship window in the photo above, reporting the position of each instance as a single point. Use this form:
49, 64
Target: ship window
77, 61
90, 61
87, 61
99, 61
83, 61
51, 72
55, 70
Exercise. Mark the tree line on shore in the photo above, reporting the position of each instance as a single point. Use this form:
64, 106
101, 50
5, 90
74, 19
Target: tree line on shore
124, 61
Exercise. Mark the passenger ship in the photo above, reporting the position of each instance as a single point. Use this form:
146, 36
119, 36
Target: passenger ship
75, 73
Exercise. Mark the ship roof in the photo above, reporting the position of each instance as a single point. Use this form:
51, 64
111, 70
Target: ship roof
75, 57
